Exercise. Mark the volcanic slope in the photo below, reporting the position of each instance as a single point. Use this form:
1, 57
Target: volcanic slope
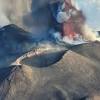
89, 50
14, 42
74, 77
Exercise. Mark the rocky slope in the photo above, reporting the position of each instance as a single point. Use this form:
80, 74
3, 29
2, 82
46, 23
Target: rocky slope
74, 77
89, 50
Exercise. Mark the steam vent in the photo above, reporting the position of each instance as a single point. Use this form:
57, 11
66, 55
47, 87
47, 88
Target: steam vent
47, 70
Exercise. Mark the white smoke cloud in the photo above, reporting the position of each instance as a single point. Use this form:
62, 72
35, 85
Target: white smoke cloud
3, 18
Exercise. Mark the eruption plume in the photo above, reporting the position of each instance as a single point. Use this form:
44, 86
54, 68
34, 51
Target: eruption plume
33, 16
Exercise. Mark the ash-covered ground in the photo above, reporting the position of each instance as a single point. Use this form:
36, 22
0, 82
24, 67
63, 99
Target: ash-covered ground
75, 76
59, 73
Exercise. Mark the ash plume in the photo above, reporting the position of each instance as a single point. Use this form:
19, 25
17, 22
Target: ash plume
34, 16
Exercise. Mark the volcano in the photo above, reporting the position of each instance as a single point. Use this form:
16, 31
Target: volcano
74, 77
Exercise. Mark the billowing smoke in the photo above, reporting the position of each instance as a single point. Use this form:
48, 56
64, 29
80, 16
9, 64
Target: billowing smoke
88, 33
14, 11
82, 28
31, 15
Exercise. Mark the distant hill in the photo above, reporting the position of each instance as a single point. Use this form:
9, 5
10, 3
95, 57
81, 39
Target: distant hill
74, 77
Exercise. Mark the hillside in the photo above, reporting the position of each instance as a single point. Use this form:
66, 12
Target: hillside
89, 50
74, 77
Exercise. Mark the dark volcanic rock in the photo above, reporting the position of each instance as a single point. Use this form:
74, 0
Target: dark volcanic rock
89, 50
74, 77
14, 42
